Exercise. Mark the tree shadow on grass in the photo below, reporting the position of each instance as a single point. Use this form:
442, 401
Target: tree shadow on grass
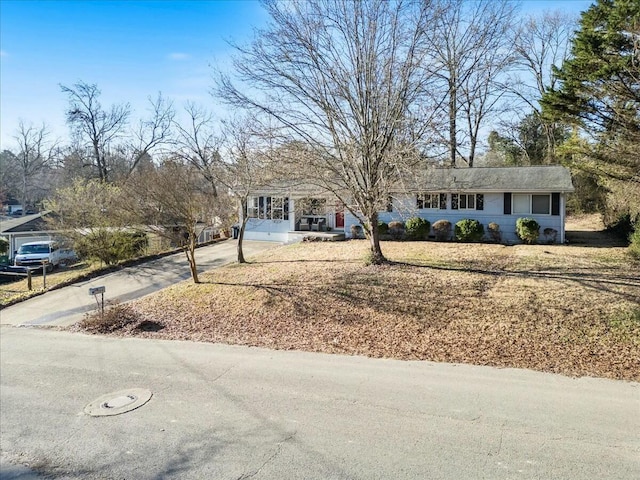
595, 280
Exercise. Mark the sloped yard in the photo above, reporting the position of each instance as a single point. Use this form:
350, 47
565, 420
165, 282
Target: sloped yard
568, 309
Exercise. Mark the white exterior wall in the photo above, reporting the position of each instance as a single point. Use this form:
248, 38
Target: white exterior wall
267, 230
404, 208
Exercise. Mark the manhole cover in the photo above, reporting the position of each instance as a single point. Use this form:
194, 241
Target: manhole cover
118, 402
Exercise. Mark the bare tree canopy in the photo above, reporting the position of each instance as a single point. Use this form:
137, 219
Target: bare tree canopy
471, 46
93, 126
348, 81
541, 43
152, 132
172, 200
35, 155
198, 143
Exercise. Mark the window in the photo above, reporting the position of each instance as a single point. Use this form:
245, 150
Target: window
467, 201
277, 208
531, 204
540, 204
313, 206
389, 203
268, 208
252, 207
428, 200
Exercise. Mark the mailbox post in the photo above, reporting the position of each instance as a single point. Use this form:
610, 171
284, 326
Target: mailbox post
45, 262
95, 291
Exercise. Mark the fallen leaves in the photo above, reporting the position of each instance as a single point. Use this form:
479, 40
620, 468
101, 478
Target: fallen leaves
549, 308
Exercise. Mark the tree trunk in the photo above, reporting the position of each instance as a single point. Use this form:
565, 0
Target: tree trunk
190, 251
243, 224
373, 234
453, 110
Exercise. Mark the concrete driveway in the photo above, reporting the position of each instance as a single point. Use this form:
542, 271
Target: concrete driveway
67, 305
223, 412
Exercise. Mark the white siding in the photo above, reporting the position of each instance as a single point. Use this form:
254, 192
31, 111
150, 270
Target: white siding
404, 207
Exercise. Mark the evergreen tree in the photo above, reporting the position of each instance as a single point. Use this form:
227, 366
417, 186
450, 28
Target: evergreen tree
599, 90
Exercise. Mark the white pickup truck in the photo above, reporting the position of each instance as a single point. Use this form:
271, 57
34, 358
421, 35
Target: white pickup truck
34, 254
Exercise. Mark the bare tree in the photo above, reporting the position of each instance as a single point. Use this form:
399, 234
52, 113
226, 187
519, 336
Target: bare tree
198, 143
347, 80
95, 128
470, 43
172, 200
541, 43
152, 132
36, 153
245, 166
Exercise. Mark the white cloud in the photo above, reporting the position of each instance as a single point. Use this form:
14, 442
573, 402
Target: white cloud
178, 56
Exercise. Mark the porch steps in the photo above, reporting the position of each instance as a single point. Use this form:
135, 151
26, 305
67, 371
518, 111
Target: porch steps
306, 236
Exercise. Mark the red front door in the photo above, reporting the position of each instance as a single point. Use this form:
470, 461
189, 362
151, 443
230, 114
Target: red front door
339, 216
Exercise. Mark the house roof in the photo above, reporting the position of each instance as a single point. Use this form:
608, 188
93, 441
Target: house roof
547, 178
28, 223
540, 178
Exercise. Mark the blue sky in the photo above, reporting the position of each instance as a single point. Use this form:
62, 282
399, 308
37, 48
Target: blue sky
130, 49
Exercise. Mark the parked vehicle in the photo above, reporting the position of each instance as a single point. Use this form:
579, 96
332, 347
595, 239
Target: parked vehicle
35, 254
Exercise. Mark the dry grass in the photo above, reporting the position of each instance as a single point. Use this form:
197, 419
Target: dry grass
12, 292
565, 309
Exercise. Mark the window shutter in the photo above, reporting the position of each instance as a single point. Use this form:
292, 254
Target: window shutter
479, 201
261, 209
507, 203
443, 201
454, 201
286, 208
555, 204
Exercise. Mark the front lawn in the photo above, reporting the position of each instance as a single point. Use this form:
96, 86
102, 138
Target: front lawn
567, 309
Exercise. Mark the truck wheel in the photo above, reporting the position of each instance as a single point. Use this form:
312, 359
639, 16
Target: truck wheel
50, 267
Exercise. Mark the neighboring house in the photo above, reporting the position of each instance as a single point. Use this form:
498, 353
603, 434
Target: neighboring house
487, 194
11, 206
30, 228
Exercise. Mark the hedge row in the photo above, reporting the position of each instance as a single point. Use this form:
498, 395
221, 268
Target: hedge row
467, 230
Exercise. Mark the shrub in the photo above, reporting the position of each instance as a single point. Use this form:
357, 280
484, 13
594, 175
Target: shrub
469, 230
111, 246
494, 232
442, 230
396, 229
417, 228
620, 225
383, 228
4, 246
634, 246
356, 231
116, 317
527, 230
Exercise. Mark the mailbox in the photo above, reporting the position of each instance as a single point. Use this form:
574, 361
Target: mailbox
96, 290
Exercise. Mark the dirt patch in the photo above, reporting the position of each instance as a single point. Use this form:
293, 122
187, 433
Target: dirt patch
589, 230
565, 309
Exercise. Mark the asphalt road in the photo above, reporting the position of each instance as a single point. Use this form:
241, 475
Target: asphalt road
68, 305
223, 412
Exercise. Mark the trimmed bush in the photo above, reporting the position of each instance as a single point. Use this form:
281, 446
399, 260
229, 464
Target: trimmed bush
469, 230
383, 228
442, 230
356, 231
527, 230
417, 228
396, 229
494, 232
